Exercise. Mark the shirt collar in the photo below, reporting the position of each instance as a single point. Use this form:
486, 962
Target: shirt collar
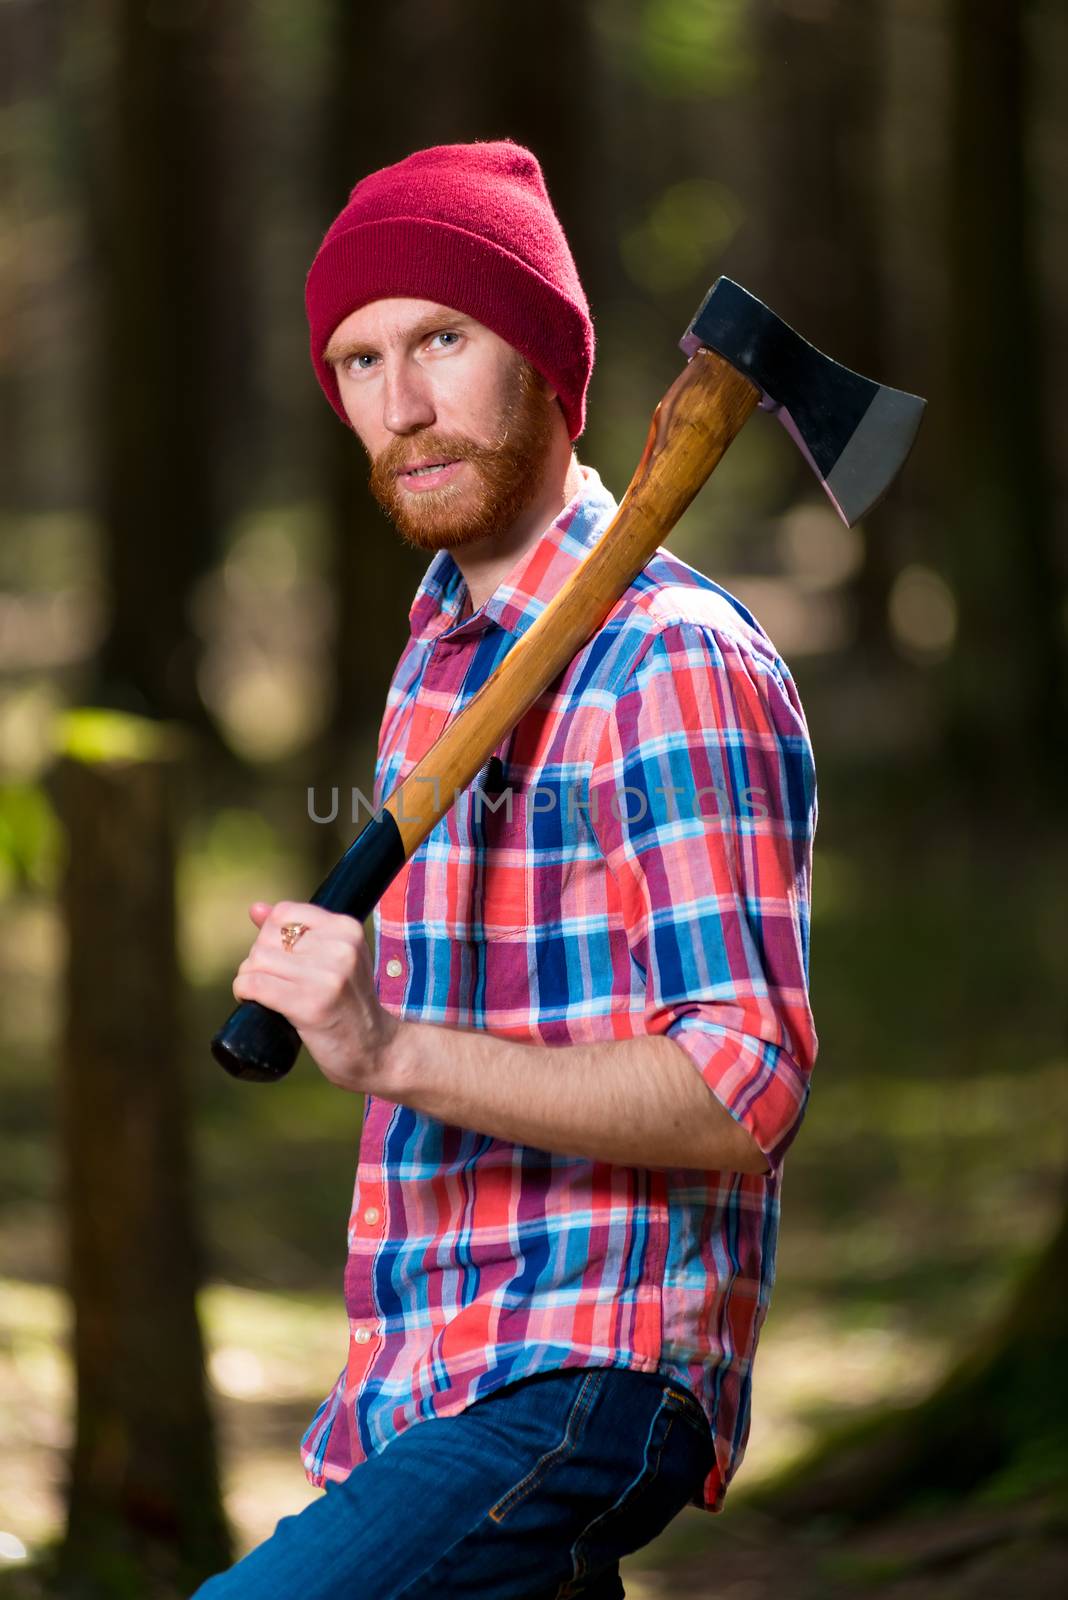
533, 581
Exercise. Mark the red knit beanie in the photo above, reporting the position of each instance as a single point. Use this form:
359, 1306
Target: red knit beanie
472, 227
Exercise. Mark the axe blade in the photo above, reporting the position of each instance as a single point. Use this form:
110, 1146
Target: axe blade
855, 434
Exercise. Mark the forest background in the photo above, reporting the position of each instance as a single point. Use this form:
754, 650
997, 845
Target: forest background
200, 608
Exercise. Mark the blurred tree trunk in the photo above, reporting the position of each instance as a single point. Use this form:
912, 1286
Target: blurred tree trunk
144, 1495
27, 68
1008, 703
171, 410
144, 1513
822, 96
374, 574
496, 86
558, 113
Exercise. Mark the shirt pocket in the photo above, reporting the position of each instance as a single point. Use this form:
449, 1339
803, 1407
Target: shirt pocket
504, 897
470, 882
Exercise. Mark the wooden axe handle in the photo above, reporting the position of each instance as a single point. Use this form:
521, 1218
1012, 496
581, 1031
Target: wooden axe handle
691, 428
700, 414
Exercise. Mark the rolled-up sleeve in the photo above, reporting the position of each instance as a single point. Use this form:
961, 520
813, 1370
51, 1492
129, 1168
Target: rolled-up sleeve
703, 800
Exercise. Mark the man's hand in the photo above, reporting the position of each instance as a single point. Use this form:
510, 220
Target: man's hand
324, 986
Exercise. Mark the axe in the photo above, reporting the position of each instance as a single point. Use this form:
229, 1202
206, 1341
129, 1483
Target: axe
854, 433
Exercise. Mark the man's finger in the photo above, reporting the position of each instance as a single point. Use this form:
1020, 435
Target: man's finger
321, 923
274, 992
313, 950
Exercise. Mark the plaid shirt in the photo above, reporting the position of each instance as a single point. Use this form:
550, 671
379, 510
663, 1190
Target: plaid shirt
636, 859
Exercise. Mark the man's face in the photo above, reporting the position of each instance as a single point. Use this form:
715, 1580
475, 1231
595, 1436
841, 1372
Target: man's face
425, 387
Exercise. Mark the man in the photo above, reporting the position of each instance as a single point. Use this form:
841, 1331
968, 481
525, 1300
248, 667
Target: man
585, 1043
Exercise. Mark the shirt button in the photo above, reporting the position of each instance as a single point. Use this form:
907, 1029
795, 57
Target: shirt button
362, 1336
394, 968
371, 1215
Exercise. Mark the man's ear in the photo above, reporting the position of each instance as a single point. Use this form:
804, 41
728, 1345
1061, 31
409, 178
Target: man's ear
550, 392
540, 381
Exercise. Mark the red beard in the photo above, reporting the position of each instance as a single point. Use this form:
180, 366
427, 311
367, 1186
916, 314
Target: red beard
507, 475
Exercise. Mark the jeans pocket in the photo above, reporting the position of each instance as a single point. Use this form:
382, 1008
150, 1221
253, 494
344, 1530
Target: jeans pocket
687, 1406
675, 1460
569, 1439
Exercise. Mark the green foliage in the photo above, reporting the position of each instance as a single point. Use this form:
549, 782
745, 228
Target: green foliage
94, 734
235, 837
857, 1567
288, 40
1040, 1463
696, 47
42, 551
30, 838
689, 226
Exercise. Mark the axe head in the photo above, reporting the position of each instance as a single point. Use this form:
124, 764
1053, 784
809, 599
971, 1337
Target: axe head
854, 433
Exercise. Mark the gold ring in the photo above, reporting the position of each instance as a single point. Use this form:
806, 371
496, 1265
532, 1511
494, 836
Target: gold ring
291, 932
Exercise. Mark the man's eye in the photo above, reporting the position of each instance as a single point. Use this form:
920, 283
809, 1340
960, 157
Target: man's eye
446, 333
357, 360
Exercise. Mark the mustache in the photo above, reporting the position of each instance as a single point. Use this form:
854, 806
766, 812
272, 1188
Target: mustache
432, 444
503, 478
400, 454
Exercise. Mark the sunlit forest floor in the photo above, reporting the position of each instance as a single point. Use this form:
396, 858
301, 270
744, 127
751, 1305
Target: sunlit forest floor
925, 1176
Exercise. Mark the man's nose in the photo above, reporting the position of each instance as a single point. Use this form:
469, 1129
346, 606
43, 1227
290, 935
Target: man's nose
407, 403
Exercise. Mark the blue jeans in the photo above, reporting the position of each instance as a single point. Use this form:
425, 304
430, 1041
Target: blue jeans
534, 1492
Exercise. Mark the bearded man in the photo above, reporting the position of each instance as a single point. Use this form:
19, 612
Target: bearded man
584, 1041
